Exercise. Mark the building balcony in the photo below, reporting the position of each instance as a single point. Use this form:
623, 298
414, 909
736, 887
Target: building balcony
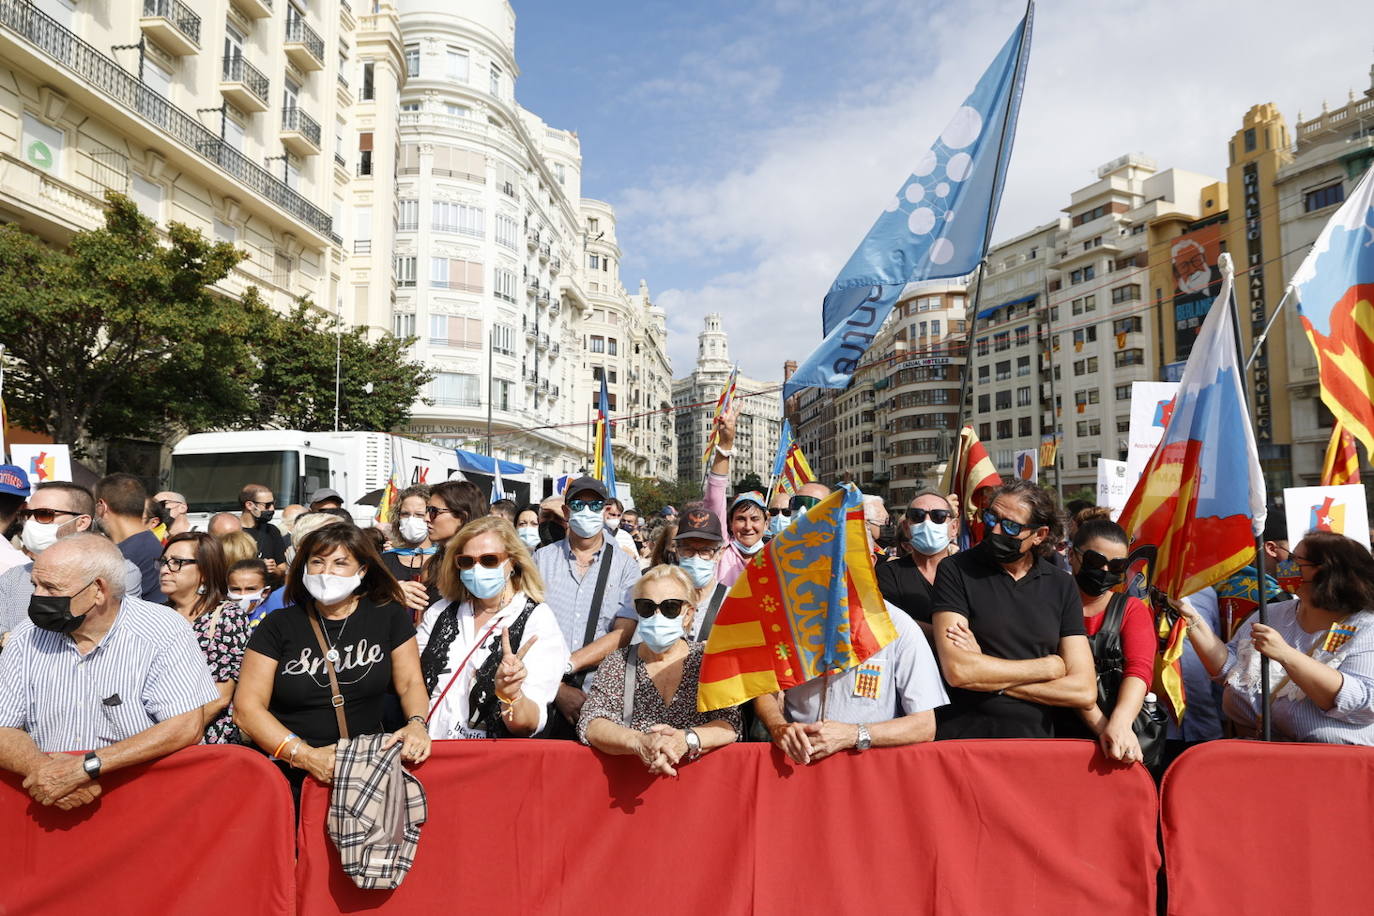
544, 386
531, 333
532, 240
304, 47
254, 9
545, 252
543, 342
172, 26
244, 85
556, 266
300, 133
542, 297
532, 288
556, 349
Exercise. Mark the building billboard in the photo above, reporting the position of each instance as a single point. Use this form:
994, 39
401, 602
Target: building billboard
1196, 282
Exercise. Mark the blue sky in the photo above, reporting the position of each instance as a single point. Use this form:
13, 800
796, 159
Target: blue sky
747, 146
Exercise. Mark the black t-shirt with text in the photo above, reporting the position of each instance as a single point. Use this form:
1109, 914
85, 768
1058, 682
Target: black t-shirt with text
1013, 619
300, 692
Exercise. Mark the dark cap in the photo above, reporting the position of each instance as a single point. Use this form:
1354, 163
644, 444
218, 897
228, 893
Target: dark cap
13, 480
699, 523
583, 484
324, 493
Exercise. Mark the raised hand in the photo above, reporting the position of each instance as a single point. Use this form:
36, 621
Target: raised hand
510, 674
725, 427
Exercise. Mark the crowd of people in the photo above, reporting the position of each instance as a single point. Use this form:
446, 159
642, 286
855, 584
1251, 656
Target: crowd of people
127, 636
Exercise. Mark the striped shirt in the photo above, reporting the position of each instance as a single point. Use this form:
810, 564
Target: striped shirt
16, 588
568, 592
146, 669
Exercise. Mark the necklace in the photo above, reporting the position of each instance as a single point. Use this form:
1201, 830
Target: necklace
333, 654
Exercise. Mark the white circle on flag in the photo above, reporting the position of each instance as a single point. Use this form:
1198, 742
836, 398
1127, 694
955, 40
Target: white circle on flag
963, 128
941, 251
893, 204
921, 220
958, 165
915, 192
942, 189
926, 165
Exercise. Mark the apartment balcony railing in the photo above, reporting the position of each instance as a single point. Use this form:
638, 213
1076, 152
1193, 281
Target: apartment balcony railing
300, 133
243, 84
102, 75
172, 25
254, 9
304, 47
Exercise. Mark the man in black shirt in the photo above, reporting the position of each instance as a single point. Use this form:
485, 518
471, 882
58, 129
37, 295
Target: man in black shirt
928, 529
259, 505
1009, 626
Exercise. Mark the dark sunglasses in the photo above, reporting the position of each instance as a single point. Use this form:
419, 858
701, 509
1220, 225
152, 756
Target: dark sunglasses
670, 607
45, 516
991, 520
784, 512
938, 516
1094, 560
433, 512
175, 564
488, 560
596, 505
799, 503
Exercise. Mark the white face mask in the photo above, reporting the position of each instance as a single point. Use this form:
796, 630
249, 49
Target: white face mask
413, 530
247, 598
327, 588
38, 537
529, 534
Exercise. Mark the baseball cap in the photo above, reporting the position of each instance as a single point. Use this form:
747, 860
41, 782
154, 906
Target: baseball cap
13, 480
749, 496
324, 493
583, 484
699, 523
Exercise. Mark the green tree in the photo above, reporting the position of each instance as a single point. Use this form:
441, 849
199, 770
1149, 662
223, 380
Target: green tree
651, 494
749, 482
119, 335
379, 384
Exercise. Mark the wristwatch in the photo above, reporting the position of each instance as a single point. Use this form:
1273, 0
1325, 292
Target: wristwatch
693, 743
863, 741
568, 668
91, 764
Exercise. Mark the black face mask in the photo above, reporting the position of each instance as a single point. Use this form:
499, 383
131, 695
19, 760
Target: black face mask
54, 612
1002, 548
549, 532
1094, 582
265, 516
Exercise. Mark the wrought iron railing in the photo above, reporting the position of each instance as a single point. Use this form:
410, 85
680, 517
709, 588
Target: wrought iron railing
292, 118
238, 70
299, 31
176, 12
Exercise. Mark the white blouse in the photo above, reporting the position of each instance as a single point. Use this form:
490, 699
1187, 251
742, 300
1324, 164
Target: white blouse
544, 663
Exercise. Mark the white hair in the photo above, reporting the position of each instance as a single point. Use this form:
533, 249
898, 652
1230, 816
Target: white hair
874, 508
306, 523
93, 556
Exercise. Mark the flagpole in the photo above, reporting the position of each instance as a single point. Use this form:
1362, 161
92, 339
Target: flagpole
1264, 337
1054, 416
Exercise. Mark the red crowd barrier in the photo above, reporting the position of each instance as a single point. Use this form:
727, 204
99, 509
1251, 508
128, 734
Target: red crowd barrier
206, 830
1261, 828
956, 827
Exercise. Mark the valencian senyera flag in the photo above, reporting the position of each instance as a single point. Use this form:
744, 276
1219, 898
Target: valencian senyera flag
1200, 499
969, 473
603, 462
723, 404
1341, 465
938, 224
805, 605
790, 467
1335, 292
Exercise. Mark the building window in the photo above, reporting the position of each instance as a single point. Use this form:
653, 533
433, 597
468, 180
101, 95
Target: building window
598, 344
1250, 140
1023, 335
983, 374
456, 64
405, 271
1134, 357
448, 216
1003, 370
1085, 335
1023, 426
982, 346
505, 284
1095, 213
1001, 341
1023, 396
503, 338
403, 324
985, 432
365, 152
984, 403
1023, 366
1123, 424
496, 81
1127, 293
506, 229
1003, 429
610, 346
412, 60
369, 85
1328, 196
452, 273
1003, 400
455, 389
407, 215
452, 331
1126, 325
593, 261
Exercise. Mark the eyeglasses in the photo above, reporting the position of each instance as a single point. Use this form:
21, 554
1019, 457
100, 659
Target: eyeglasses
578, 505
706, 553
270, 504
433, 512
1009, 526
775, 512
1301, 561
802, 503
175, 564
487, 560
918, 515
45, 516
670, 607
412, 514
1094, 560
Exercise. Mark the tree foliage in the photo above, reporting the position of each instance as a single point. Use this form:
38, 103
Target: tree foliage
120, 335
750, 481
651, 494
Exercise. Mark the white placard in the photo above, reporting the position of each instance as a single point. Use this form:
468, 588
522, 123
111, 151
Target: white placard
1026, 464
43, 462
1339, 509
1113, 485
1151, 406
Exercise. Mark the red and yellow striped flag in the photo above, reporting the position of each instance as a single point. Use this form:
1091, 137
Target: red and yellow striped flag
1342, 463
1169, 665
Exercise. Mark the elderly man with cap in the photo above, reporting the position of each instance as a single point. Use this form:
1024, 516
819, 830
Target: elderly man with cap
14, 490
325, 498
699, 544
587, 582
91, 670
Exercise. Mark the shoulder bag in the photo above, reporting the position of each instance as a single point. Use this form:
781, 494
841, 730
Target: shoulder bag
1150, 726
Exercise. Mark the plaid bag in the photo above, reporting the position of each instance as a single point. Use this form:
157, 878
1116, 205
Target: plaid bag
376, 810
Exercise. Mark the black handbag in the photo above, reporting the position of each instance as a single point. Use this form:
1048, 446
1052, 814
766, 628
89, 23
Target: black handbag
1150, 726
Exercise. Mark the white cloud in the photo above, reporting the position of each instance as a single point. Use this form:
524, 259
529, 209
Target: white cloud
767, 223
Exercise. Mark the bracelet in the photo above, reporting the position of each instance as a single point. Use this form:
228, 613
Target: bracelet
725, 453
512, 701
419, 720
276, 755
295, 750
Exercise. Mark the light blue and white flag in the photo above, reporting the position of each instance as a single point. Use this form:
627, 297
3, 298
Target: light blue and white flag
938, 225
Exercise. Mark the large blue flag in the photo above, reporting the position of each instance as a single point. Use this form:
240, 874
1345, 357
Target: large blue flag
937, 226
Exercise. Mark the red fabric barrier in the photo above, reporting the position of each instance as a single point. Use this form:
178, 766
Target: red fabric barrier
206, 830
1261, 828
956, 827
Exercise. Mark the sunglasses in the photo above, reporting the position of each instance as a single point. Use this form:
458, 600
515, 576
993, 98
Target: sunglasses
578, 505
267, 505
45, 516
1094, 560
787, 513
488, 560
938, 516
798, 503
1013, 528
670, 607
433, 512
175, 564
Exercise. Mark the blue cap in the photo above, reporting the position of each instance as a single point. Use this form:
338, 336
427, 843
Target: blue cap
13, 481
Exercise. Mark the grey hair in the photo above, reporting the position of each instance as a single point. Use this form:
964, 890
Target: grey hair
872, 504
664, 571
94, 556
306, 523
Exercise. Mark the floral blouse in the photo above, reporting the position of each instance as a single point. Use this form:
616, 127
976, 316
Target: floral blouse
607, 698
223, 649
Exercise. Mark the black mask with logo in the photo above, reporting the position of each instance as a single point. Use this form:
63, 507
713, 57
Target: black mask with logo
54, 612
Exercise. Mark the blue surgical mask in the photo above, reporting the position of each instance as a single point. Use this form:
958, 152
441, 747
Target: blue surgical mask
587, 523
659, 632
749, 551
699, 569
930, 537
529, 534
483, 582
778, 523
